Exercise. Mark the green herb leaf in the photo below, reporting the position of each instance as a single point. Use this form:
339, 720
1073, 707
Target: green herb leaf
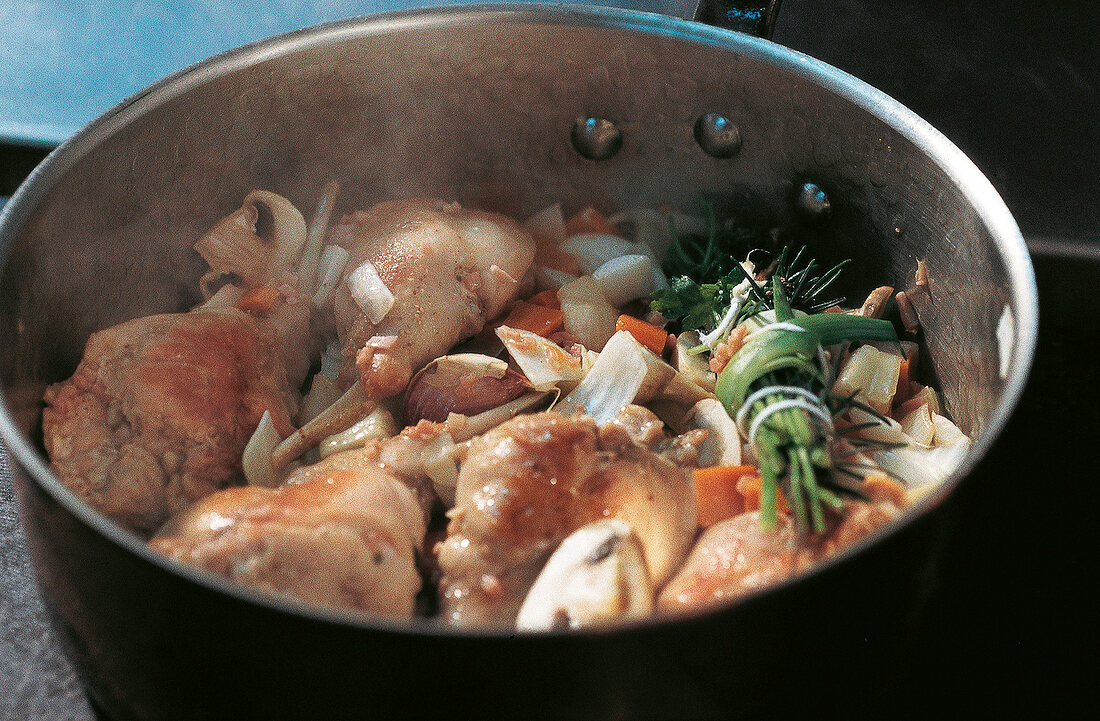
695, 306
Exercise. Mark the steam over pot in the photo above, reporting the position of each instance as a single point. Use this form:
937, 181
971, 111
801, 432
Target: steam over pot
494, 107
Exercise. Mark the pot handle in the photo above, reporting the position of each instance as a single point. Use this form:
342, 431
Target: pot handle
756, 17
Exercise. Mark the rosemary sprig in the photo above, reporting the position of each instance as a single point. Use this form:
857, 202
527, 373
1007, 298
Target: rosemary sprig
704, 277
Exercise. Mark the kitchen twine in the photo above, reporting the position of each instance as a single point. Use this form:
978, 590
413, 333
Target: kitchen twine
806, 400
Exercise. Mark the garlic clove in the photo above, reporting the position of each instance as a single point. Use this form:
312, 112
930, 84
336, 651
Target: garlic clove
466, 383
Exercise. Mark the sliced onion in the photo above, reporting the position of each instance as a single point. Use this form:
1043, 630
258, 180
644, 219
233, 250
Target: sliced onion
552, 278
543, 362
918, 466
918, 425
463, 428
379, 423
548, 224
626, 278
323, 392
256, 461
947, 433
315, 237
624, 373
873, 374
369, 292
333, 261
588, 314
441, 467
226, 297
594, 249
332, 360
650, 227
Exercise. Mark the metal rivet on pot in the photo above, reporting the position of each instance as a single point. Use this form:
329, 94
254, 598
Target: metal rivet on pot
812, 203
717, 136
596, 138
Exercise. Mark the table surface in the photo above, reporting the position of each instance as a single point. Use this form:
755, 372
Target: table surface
1017, 90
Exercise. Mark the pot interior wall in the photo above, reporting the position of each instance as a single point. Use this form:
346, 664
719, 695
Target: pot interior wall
482, 113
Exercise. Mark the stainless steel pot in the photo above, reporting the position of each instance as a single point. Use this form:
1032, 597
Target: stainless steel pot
509, 107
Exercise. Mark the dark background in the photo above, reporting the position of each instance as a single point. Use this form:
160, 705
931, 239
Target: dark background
1010, 629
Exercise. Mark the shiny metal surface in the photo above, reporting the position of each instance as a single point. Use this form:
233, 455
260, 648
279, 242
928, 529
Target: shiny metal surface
103, 230
717, 136
812, 203
596, 138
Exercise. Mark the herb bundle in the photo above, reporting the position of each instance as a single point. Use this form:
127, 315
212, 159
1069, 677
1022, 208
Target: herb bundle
777, 387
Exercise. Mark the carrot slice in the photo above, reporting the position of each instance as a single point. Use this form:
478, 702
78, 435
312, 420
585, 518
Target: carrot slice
551, 256
717, 492
902, 392
589, 220
258, 300
547, 298
647, 334
538, 319
750, 486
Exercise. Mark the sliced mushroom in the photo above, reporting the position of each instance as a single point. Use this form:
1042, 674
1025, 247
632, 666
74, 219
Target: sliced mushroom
235, 246
466, 383
722, 446
597, 576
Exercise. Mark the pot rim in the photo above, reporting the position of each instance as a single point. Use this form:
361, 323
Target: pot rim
975, 187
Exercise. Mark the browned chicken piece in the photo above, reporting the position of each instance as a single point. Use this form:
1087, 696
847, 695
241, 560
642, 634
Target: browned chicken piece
159, 411
737, 556
633, 424
339, 534
638, 425
526, 485
402, 456
733, 558
450, 270
290, 322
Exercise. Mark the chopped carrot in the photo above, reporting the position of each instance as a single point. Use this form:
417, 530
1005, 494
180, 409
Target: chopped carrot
538, 319
902, 392
750, 488
258, 300
647, 334
548, 298
717, 496
589, 220
551, 256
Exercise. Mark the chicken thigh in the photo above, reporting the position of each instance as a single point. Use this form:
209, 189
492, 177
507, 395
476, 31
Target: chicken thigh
160, 408
530, 482
450, 270
342, 533
737, 556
